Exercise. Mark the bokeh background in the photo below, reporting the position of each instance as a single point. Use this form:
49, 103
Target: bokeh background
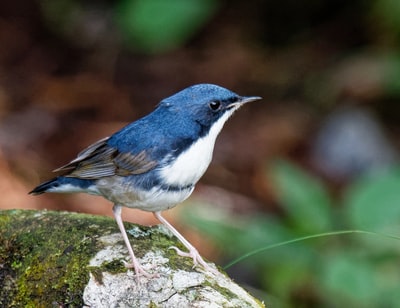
318, 154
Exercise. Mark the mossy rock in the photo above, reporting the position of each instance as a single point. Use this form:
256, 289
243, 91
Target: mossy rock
64, 259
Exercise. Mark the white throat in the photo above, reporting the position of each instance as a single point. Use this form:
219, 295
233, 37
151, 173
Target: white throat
190, 165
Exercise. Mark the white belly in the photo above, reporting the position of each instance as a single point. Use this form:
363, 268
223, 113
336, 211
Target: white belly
119, 192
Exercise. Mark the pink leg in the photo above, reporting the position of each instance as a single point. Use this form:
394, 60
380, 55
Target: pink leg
135, 263
193, 253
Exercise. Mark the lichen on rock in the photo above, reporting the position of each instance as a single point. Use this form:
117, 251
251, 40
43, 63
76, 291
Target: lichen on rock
76, 260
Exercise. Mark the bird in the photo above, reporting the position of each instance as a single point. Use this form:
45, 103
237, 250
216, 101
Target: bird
153, 163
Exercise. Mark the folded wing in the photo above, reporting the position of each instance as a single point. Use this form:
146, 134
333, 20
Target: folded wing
101, 160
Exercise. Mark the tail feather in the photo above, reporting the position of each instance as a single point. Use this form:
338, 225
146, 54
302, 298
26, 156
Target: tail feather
46, 186
63, 184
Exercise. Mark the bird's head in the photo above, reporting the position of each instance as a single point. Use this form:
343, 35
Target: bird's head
205, 104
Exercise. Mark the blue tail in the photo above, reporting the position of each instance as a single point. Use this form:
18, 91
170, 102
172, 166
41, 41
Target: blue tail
63, 184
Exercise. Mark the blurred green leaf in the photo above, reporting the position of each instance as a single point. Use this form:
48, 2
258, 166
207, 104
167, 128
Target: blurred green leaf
237, 236
373, 203
306, 200
247, 234
159, 25
387, 14
286, 276
349, 279
391, 78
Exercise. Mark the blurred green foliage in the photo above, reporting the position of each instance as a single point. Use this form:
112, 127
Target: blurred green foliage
149, 26
387, 13
358, 270
156, 26
308, 209
159, 25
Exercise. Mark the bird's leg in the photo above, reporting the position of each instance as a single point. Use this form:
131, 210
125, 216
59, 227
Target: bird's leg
193, 253
135, 263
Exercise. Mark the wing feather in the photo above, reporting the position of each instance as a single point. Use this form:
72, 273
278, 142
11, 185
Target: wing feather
128, 163
86, 153
101, 160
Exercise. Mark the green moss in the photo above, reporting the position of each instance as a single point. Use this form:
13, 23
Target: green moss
113, 267
44, 256
153, 305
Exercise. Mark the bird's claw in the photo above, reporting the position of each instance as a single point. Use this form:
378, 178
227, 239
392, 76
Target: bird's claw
197, 259
181, 253
139, 270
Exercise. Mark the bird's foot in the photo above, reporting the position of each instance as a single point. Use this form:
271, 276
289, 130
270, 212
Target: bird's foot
197, 259
139, 270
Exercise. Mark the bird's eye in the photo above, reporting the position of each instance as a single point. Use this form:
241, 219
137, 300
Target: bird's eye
214, 105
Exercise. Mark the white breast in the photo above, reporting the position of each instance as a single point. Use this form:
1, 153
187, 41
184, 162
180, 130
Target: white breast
188, 168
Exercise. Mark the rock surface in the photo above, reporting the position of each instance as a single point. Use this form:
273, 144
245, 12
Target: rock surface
76, 260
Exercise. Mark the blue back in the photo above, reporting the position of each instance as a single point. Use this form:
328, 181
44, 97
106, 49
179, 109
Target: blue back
175, 124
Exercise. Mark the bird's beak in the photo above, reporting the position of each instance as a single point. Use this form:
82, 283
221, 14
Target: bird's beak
248, 99
243, 100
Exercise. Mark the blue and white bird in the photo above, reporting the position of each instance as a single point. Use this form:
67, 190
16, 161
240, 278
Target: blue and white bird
153, 163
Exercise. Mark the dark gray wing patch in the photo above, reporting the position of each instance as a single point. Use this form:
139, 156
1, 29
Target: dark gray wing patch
100, 160
128, 163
